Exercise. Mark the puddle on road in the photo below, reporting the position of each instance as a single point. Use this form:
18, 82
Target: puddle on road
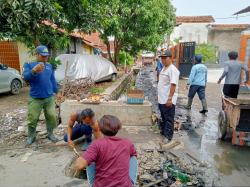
228, 160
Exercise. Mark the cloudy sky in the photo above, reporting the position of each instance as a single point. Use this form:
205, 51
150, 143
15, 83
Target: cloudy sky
221, 10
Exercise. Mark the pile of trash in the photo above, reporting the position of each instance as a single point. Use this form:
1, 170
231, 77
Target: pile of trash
77, 89
158, 169
10, 122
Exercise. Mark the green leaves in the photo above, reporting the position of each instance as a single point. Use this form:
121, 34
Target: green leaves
137, 25
207, 51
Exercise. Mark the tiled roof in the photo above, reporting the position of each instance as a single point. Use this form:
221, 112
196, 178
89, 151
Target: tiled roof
230, 26
76, 34
194, 19
98, 42
92, 39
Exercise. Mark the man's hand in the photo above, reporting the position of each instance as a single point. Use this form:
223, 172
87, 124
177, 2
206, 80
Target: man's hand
38, 68
59, 97
71, 144
169, 103
80, 164
219, 81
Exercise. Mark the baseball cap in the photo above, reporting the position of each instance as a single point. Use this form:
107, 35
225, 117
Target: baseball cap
166, 53
42, 50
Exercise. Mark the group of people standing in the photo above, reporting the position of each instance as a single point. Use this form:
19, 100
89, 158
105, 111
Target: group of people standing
168, 77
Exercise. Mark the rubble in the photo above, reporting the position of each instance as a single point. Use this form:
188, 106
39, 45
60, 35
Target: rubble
78, 89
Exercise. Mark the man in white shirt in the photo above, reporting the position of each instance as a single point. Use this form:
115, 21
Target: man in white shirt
167, 95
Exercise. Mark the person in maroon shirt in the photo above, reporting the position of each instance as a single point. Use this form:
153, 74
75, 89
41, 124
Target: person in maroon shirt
111, 160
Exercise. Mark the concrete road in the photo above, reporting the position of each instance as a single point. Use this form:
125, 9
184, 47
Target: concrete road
229, 165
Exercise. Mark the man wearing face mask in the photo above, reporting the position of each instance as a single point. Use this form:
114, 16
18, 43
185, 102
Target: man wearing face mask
43, 87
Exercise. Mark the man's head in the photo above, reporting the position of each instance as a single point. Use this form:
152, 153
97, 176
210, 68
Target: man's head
87, 116
166, 58
233, 55
109, 125
198, 59
42, 53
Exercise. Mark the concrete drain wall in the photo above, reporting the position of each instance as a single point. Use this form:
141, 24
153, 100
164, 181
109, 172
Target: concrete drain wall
128, 114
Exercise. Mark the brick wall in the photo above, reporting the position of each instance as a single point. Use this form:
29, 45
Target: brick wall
9, 54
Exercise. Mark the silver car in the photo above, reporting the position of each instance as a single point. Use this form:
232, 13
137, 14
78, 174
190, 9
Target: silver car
10, 80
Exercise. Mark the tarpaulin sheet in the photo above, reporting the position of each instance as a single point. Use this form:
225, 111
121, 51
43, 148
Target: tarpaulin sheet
84, 65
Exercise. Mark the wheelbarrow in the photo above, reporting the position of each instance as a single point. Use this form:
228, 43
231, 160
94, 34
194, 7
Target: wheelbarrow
234, 121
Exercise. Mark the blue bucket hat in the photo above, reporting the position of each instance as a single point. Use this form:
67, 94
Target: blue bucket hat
42, 50
198, 58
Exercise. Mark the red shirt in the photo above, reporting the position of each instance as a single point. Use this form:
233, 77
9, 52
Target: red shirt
112, 156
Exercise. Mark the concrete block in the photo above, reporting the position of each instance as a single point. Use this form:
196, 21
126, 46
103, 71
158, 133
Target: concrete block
128, 114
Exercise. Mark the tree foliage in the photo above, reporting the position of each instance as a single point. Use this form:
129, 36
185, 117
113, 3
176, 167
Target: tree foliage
136, 25
207, 51
22, 20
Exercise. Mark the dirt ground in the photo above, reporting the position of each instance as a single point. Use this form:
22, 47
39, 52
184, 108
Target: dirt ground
222, 163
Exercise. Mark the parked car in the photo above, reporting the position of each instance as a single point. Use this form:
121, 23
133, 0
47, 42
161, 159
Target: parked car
10, 80
84, 65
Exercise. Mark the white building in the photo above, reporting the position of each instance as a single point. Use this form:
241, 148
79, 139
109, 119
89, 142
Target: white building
191, 28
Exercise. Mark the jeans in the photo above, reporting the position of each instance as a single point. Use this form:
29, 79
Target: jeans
200, 90
133, 169
35, 107
80, 130
167, 125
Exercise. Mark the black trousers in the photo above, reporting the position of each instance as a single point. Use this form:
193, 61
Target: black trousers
231, 90
167, 125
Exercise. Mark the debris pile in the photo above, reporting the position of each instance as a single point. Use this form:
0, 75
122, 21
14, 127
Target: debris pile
77, 89
159, 168
10, 122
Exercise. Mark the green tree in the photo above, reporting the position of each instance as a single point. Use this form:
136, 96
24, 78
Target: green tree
207, 51
135, 25
22, 20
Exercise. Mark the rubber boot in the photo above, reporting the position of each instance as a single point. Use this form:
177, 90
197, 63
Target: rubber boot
51, 136
204, 106
31, 135
189, 104
86, 143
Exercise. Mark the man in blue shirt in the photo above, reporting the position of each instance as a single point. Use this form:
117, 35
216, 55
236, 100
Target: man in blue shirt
158, 68
197, 83
40, 76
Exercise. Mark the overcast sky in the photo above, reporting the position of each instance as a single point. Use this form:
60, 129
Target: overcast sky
216, 8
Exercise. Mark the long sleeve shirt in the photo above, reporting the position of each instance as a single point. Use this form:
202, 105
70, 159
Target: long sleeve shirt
198, 75
43, 84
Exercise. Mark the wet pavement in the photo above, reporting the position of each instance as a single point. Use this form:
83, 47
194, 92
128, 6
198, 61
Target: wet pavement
227, 165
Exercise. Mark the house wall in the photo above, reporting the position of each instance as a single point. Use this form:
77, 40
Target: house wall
9, 54
81, 48
24, 55
225, 41
188, 32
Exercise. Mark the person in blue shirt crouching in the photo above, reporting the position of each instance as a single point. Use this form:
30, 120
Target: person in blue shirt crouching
197, 84
43, 86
